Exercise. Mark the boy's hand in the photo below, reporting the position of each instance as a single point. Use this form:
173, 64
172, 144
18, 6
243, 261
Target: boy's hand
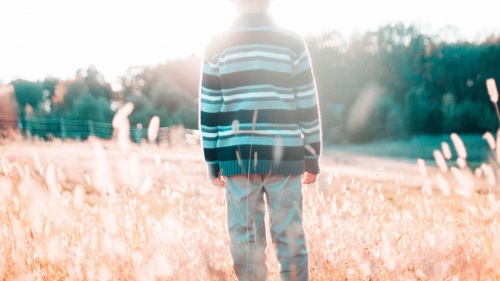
219, 182
308, 178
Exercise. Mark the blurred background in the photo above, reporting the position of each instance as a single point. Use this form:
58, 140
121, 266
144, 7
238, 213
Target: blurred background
393, 77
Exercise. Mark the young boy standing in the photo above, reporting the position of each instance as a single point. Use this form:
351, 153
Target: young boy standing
261, 136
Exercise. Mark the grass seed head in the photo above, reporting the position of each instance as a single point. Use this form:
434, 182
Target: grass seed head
310, 149
498, 146
278, 150
492, 90
236, 125
462, 163
459, 146
122, 114
123, 135
254, 119
443, 185
427, 188
490, 139
422, 169
153, 128
489, 173
440, 161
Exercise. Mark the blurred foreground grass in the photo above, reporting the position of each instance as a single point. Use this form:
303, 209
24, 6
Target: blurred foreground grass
89, 211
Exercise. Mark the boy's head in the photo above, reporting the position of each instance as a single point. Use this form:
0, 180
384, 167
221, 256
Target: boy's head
252, 6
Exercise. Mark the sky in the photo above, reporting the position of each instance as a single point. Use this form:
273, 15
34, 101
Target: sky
57, 37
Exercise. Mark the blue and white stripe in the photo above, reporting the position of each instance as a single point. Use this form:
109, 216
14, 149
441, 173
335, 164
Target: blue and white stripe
259, 77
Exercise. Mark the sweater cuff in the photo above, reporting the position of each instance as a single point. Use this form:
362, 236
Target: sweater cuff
311, 165
213, 171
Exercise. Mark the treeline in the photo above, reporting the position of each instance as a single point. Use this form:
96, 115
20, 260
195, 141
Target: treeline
392, 83
168, 91
397, 82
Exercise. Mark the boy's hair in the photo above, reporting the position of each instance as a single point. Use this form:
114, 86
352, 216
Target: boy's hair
234, 1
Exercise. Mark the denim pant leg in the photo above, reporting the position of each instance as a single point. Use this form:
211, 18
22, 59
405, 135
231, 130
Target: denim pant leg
245, 216
284, 201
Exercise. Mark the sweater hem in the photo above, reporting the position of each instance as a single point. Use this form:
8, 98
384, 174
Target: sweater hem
261, 167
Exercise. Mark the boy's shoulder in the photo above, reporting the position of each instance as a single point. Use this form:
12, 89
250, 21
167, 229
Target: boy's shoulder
290, 33
220, 40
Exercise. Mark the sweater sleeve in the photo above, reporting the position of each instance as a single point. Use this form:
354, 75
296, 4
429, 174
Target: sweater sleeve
308, 111
210, 105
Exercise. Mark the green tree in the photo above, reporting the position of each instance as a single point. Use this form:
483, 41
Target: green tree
168, 91
169, 95
186, 115
75, 90
49, 85
96, 84
90, 107
28, 93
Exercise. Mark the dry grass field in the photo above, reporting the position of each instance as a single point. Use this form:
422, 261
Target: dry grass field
91, 211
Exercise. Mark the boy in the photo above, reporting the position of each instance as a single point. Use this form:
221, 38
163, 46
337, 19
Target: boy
260, 127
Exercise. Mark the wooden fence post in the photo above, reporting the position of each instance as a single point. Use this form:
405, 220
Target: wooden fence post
63, 129
91, 127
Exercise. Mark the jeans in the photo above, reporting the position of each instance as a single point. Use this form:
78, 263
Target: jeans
246, 210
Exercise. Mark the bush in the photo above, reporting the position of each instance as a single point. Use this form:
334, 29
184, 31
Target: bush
89, 107
391, 120
185, 115
475, 117
27, 93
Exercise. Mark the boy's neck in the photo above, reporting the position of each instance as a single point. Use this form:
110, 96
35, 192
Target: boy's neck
253, 13
254, 8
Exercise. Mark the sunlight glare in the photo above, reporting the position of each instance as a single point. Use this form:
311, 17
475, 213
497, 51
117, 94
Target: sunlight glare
52, 38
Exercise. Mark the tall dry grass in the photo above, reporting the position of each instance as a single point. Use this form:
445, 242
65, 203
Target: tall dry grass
109, 210
90, 211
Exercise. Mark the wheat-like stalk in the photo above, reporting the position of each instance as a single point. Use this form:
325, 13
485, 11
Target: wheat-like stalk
459, 146
493, 92
466, 183
490, 139
440, 161
443, 185
153, 128
422, 168
122, 114
497, 150
446, 150
166, 222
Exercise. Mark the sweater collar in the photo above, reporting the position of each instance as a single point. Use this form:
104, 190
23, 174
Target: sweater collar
253, 20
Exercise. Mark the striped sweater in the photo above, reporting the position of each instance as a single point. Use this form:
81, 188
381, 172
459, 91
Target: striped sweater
258, 102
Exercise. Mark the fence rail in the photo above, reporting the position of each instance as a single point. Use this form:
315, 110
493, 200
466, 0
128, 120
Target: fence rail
47, 128
8, 121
